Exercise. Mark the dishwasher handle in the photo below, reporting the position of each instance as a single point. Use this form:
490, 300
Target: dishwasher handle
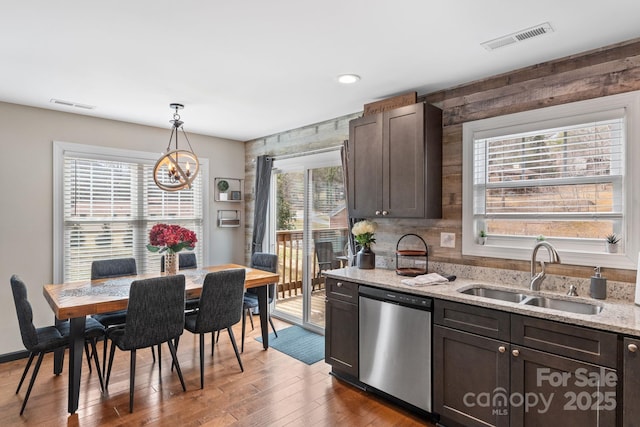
407, 300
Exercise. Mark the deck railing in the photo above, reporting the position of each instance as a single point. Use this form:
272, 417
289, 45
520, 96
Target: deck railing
290, 252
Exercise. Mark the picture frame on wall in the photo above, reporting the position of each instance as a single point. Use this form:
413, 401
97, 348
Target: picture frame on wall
236, 195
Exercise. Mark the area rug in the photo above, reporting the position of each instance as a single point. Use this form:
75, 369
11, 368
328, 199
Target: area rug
297, 342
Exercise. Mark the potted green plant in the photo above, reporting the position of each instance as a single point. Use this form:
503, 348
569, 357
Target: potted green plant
612, 243
223, 186
482, 237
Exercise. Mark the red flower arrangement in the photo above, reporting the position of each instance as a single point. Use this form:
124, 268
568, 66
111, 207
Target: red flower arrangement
171, 238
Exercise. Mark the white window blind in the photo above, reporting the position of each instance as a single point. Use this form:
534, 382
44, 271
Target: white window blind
110, 206
562, 182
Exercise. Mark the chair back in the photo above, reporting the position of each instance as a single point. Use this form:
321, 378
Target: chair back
113, 268
324, 254
186, 260
25, 313
266, 262
155, 313
221, 300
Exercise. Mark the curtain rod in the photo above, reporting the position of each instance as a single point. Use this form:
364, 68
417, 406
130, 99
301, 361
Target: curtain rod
306, 153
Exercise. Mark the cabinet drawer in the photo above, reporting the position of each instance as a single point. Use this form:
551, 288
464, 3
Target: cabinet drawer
341, 290
566, 340
477, 320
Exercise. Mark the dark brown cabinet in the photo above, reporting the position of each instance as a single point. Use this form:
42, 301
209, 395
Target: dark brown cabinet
631, 382
498, 369
341, 327
395, 163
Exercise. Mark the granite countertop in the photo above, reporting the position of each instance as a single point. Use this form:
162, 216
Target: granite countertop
616, 316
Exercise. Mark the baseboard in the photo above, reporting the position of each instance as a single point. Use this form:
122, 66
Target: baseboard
9, 357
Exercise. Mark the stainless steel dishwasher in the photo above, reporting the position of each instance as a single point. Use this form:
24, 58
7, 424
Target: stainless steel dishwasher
395, 344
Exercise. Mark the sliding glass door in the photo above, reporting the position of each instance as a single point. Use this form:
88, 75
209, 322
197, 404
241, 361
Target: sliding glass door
308, 231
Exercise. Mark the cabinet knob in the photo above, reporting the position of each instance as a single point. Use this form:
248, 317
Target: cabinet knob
339, 284
632, 348
515, 353
502, 349
378, 212
384, 213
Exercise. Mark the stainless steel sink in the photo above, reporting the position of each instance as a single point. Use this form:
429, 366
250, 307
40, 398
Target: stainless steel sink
515, 296
503, 295
564, 305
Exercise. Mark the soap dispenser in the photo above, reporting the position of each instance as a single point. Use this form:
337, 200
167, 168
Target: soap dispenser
598, 288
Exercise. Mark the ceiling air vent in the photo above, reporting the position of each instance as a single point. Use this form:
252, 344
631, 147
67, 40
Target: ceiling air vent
538, 30
72, 104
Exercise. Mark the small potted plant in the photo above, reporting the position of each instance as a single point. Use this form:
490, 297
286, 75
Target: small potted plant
612, 243
482, 237
223, 186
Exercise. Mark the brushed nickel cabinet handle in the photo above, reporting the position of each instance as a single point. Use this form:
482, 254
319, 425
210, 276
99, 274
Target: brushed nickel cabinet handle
632, 348
502, 349
515, 353
339, 284
384, 213
378, 212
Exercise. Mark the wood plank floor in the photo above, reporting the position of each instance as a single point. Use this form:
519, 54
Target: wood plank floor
274, 390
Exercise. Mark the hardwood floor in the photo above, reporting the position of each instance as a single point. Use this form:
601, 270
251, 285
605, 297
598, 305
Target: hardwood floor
274, 390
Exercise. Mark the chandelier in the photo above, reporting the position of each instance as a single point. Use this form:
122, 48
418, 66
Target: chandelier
176, 169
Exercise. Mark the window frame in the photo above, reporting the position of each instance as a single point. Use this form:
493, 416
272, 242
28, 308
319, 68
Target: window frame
63, 149
589, 252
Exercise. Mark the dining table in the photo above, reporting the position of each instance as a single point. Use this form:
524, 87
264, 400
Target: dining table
76, 300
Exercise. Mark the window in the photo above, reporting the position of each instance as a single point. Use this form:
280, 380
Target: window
564, 173
108, 202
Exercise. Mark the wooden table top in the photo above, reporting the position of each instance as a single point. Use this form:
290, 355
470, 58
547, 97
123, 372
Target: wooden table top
86, 297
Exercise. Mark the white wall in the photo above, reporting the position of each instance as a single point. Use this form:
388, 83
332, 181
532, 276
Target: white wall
26, 215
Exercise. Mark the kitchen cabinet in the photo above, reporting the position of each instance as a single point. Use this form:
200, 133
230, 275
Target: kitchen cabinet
631, 381
543, 373
395, 163
341, 328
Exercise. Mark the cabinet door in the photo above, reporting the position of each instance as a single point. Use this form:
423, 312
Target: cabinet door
470, 372
548, 390
403, 186
365, 166
631, 385
341, 336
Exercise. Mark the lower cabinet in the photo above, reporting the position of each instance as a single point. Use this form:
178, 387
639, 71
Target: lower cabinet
520, 371
631, 385
341, 327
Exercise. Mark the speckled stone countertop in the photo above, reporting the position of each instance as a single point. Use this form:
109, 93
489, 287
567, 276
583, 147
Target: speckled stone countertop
618, 316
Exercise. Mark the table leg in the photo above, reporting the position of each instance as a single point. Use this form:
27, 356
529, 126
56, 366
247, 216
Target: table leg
58, 355
76, 347
263, 306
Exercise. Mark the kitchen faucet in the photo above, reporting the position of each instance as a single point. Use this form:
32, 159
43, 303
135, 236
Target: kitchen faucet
554, 258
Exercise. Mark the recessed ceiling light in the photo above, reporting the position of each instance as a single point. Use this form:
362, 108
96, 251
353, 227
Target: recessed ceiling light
348, 79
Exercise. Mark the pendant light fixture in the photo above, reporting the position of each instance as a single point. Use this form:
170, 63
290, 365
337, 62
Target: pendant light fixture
176, 169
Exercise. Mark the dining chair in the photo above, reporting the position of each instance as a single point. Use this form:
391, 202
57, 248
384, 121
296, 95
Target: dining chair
220, 308
110, 268
39, 341
266, 262
186, 261
155, 315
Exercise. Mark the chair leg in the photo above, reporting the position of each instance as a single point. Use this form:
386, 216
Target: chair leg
174, 357
235, 348
33, 380
111, 353
159, 359
244, 327
153, 354
273, 327
132, 379
97, 362
104, 357
26, 369
202, 361
250, 318
86, 351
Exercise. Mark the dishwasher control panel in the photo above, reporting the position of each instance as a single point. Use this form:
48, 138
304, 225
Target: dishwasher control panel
423, 303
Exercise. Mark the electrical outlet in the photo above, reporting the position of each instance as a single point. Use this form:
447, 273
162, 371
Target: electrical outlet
447, 240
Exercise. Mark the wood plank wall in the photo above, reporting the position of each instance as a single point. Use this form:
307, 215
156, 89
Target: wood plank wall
601, 72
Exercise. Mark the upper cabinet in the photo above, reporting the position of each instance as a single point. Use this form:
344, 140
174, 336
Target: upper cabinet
395, 163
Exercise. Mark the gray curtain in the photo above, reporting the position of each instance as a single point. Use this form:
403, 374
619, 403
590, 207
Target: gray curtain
345, 176
263, 182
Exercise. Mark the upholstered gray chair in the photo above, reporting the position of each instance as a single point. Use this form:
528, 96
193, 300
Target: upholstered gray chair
266, 262
220, 308
110, 268
39, 341
186, 261
155, 315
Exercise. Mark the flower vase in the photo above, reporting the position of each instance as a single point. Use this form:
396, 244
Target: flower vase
171, 263
366, 258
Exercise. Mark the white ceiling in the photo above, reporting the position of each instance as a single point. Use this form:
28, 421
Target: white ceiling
251, 68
